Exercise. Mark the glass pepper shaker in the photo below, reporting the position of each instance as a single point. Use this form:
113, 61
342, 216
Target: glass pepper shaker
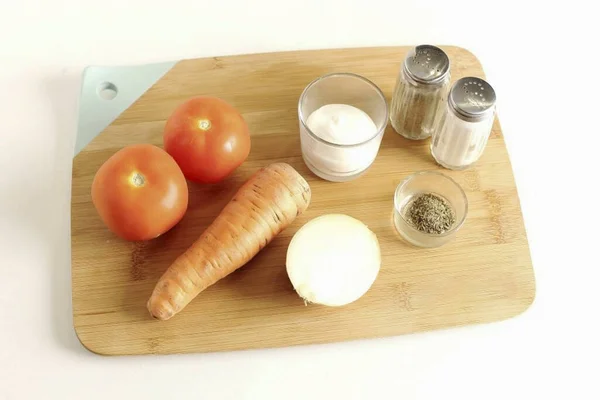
421, 86
462, 130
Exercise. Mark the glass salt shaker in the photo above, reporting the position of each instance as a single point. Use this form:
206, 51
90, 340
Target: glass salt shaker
462, 130
421, 86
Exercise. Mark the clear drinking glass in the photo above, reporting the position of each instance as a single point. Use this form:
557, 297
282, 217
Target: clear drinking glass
428, 182
341, 162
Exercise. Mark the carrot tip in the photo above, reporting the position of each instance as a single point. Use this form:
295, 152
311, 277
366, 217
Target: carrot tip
159, 310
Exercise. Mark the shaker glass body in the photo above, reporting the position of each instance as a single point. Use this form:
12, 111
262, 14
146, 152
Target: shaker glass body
462, 131
420, 88
415, 105
457, 144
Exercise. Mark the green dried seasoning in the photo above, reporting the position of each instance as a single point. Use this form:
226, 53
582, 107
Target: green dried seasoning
430, 213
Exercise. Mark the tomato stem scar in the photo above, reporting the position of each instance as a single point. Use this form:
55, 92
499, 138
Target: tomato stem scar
204, 124
137, 179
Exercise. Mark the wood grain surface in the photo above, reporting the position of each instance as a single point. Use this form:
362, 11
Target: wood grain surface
484, 275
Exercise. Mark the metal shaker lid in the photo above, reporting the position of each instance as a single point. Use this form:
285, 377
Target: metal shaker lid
472, 98
427, 64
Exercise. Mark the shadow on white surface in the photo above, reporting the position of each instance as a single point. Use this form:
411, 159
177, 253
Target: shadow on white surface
63, 95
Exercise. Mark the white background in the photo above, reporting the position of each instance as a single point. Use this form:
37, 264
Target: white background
544, 66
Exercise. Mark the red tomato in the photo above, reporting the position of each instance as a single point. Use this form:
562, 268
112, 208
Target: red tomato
208, 138
140, 192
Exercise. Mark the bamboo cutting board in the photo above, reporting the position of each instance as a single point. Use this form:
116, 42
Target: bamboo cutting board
484, 275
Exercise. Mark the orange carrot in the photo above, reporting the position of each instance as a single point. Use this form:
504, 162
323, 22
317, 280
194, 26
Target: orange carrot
265, 205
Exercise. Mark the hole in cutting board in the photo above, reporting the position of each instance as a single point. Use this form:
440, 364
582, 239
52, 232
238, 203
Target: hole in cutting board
107, 91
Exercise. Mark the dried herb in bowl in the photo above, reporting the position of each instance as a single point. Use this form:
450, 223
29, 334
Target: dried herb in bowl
430, 213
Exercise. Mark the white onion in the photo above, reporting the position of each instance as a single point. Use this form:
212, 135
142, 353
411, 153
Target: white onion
333, 260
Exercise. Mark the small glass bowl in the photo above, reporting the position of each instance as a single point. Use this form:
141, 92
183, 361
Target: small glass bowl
428, 182
341, 162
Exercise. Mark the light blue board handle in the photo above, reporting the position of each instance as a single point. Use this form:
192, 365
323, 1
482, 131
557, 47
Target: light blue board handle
129, 82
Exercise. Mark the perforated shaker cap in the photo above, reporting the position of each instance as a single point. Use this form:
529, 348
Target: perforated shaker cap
472, 98
427, 64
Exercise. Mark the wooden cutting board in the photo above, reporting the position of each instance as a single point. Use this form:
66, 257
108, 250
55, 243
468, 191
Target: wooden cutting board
484, 275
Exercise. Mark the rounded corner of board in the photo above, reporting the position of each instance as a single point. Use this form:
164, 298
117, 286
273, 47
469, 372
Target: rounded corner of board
88, 346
